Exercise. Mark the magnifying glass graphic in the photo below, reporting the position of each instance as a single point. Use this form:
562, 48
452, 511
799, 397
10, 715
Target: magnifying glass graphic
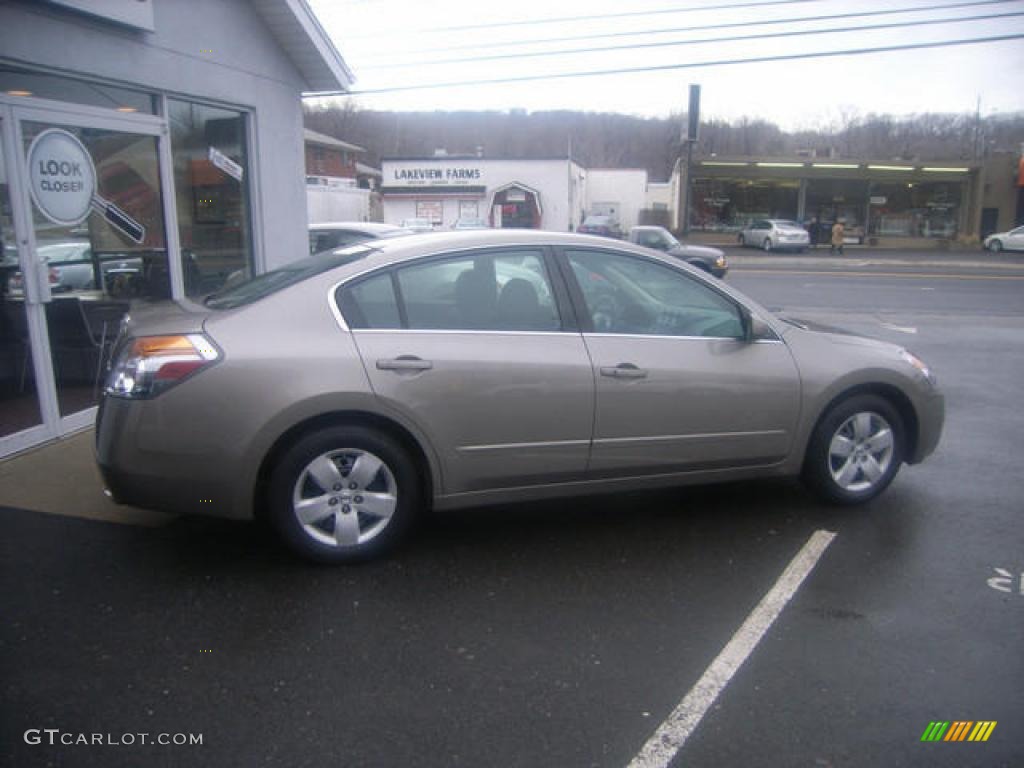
63, 184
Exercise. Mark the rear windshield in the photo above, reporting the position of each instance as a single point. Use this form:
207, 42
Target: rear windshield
261, 286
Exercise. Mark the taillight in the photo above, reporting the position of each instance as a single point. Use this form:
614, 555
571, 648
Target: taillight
149, 365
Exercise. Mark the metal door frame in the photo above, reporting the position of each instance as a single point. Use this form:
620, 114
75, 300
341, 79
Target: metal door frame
13, 112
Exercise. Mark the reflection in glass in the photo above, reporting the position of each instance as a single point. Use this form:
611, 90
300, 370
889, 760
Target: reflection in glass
211, 179
97, 269
19, 401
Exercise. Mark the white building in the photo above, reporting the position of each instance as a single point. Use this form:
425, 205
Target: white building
554, 194
170, 138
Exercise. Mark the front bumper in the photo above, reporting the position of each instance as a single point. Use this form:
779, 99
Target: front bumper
931, 417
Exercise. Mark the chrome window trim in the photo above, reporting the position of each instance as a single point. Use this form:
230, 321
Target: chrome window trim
681, 338
457, 331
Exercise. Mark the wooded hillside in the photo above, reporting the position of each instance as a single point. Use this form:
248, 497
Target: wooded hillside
606, 139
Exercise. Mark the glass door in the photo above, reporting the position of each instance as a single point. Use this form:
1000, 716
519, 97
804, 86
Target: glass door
88, 207
20, 411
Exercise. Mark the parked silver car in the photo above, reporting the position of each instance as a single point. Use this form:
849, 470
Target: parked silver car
774, 234
343, 394
337, 234
1006, 241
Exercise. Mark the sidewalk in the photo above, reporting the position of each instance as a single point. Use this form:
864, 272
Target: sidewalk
866, 256
61, 478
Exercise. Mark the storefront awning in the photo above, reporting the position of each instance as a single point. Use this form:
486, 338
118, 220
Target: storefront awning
448, 191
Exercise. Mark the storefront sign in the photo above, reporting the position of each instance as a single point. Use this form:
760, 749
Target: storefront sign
441, 174
62, 175
62, 182
225, 163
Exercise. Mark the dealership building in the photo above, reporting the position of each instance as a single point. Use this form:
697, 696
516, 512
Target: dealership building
148, 149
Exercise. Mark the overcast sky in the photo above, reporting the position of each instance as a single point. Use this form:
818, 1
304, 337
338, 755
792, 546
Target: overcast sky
390, 43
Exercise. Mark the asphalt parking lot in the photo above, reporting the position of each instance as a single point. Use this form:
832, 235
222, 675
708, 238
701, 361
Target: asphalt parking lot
564, 634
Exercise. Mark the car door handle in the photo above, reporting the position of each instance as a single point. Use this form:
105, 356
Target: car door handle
404, 363
624, 371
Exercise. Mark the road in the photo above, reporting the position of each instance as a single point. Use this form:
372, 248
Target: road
562, 634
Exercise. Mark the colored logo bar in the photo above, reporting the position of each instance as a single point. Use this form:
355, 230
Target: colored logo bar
958, 730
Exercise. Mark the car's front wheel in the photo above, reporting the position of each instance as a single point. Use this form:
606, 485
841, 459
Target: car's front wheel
995, 246
343, 494
767, 244
855, 451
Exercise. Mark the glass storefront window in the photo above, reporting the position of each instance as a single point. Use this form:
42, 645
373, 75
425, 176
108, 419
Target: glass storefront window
211, 180
907, 209
728, 205
23, 82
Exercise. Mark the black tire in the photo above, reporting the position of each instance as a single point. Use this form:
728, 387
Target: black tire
343, 446
767, 244
995, 246
741, 240
820, 464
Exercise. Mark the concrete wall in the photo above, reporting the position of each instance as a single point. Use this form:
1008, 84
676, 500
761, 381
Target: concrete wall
337, 204
214, 50
625, 189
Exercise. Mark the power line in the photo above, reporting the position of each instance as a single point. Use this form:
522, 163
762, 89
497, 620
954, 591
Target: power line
727, 39
709, 27
667, 67
590, 17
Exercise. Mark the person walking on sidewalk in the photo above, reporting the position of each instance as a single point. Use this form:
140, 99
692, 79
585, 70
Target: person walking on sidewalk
812, 232
838, 235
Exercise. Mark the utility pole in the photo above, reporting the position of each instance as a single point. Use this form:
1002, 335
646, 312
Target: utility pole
690, 138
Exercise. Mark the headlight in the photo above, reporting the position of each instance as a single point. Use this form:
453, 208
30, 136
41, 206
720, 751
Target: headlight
919, 364
149, 365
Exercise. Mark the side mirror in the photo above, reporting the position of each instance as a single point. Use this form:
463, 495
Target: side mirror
754, 328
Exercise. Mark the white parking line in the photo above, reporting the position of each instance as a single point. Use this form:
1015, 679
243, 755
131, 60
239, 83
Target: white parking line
672, 734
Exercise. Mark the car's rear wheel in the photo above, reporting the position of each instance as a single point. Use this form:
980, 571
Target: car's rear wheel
995, 246
343, 494
855, 451
767, 244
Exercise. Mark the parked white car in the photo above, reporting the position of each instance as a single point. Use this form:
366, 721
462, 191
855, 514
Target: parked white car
1006, 241
774, 234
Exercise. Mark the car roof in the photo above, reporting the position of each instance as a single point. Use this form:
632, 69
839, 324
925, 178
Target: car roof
353, 226
395, 250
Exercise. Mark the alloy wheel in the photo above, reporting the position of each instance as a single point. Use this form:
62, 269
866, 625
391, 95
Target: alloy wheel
861, 451
345, 498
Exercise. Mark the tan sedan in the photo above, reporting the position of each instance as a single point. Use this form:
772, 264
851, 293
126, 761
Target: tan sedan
342, 395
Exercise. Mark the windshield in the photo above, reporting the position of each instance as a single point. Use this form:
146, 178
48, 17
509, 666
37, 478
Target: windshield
261, 286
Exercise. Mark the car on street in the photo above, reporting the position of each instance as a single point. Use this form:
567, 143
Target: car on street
464, 369
606, 226
337, 234
470, 223
1006, 241
701, 256
418, 225
774, 235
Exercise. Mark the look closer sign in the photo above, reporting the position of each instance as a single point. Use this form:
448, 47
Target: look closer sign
63, 184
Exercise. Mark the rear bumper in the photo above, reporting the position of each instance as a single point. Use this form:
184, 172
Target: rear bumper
193, 482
